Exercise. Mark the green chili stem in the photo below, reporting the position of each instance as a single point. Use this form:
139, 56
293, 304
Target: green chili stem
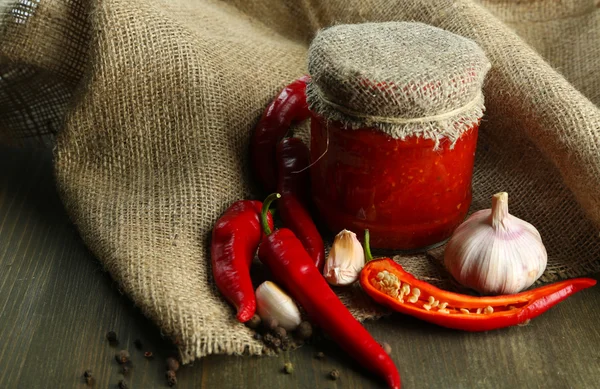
264, 220
368, 255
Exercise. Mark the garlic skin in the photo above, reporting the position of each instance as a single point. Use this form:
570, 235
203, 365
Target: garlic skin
494, 252
345, 260
273, 302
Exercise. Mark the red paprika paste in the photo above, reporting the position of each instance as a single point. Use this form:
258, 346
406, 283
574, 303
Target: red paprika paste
406, 192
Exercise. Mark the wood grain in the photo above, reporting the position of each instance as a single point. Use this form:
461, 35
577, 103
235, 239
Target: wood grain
57, 303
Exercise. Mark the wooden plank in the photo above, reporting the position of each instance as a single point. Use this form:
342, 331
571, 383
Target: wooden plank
56, 305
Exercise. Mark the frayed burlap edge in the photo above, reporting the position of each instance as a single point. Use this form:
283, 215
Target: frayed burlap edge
450, 125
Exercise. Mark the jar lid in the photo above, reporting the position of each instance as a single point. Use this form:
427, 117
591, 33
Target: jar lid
401, 78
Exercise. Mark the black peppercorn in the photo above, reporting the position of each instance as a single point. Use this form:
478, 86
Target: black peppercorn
334, 374
280, 332
138, 344
268, 339
320, 355
276, 342
89, 380
123, 385
111, 336
258, 336
171, 378
304, 330
254, 322
270, 323
172, 364
285, 343
124, 369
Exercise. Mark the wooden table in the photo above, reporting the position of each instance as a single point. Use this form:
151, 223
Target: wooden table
57, 304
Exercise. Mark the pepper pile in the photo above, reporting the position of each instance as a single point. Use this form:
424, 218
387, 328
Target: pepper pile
296, 254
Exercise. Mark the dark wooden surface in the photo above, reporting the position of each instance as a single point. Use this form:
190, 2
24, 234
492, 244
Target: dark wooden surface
56, 305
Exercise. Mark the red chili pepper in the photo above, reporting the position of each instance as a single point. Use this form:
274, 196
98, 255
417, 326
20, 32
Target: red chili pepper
292, 156
288, 106
235, 238
455, 310
293, 268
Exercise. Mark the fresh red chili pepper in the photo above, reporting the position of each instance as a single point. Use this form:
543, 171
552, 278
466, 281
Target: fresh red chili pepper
293, 185
293, 268
235, 238
288, 106
292, 165
455, 310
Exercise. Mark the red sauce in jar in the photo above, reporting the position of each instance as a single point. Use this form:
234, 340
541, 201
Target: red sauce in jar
407, 193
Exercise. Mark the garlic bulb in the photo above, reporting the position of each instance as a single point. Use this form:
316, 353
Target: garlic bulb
494, 252
274, 303
345, 260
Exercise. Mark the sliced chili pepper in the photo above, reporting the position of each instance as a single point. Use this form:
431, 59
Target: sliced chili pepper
389, 284
293, 268
235, 238
293, 185
287, 107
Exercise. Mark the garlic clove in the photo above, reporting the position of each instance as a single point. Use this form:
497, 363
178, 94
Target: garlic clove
345, 260
273, 303
495, 252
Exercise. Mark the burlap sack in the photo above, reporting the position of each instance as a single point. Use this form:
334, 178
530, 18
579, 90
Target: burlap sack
155, 102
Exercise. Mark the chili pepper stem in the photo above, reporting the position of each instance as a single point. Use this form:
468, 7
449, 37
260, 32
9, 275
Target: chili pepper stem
265, 210
368, 255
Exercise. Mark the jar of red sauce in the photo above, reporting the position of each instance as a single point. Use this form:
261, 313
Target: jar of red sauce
395, 112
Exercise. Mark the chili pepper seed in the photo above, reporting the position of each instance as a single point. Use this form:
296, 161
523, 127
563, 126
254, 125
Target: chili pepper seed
387, 348
288, 368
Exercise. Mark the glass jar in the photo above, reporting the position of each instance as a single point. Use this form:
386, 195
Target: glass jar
395, 112
409, 194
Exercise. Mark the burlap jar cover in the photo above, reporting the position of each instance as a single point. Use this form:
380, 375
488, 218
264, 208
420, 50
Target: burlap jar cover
400, 78
156, 100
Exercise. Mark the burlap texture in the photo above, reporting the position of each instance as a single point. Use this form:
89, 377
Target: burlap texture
156, 101
433, 92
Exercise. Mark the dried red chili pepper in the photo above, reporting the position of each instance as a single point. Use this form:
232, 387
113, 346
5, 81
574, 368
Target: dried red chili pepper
293, 185
235, 238
293, 268
287, 107
402, 292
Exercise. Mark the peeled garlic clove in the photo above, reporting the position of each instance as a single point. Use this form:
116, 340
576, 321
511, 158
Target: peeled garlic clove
495, 252
273, 303
345, 260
